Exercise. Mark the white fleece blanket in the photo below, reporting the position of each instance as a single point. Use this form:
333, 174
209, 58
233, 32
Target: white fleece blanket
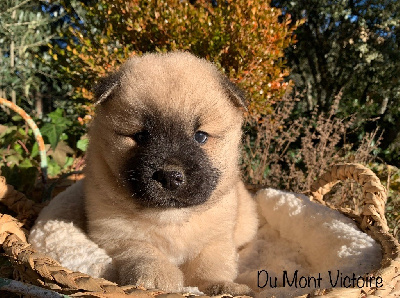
324, 247
300, 246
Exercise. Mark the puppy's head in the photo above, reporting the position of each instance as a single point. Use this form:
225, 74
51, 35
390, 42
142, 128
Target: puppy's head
167, 130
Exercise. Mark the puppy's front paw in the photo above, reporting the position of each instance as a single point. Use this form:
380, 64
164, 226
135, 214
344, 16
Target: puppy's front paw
152, 275
229, 288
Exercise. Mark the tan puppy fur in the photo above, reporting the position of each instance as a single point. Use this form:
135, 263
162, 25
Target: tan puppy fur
148, 120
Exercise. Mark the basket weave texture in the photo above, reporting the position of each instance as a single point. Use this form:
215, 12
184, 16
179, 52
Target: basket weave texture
44, 272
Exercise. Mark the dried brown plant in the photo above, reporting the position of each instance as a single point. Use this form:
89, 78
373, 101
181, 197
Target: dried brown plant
289, 153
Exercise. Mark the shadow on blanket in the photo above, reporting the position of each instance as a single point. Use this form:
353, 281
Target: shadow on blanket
300, 245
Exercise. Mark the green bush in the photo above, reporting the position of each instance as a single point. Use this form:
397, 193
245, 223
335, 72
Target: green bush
65, 145
246, 39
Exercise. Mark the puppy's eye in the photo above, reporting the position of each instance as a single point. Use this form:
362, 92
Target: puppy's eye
200, 137
141, 137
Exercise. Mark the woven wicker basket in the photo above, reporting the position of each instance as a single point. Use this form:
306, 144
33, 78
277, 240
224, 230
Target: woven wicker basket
47, 278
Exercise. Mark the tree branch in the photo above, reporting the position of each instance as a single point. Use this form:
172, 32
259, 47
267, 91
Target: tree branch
15, 7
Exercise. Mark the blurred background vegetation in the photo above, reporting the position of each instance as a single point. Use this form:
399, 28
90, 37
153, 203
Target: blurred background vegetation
322, 76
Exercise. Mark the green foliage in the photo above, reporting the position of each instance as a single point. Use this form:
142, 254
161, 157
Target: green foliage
54, 130
19, 152
26, 76
82, 144
15, 162
22, 176
350, 47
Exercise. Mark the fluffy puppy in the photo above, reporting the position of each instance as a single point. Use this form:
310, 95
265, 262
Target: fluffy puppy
163, 194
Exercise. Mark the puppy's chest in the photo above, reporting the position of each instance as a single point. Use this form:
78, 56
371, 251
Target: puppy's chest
179, 242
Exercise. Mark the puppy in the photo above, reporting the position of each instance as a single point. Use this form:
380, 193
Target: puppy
163, 195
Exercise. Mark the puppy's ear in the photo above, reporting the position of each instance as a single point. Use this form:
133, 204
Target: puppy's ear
105, 87
236, 95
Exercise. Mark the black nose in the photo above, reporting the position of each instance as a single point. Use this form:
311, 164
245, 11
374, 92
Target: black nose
169, 179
